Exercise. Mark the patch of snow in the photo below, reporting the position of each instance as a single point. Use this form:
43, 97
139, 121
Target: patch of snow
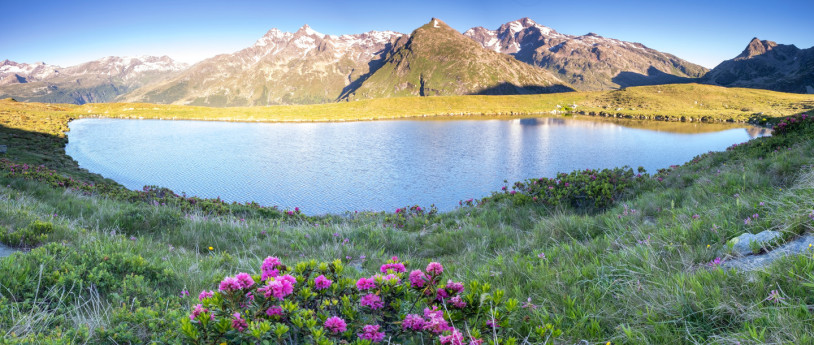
305, 42
544, 29
492, 42
311, 32
514, 48
515, 27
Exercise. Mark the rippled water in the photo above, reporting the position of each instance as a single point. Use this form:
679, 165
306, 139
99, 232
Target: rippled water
380, 165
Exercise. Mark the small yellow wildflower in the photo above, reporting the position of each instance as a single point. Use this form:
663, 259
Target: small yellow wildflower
707, 246
210, 248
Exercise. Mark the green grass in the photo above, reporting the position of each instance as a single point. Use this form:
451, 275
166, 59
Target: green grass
635, 273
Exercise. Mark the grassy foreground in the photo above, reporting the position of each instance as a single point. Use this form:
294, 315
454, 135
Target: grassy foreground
110, 269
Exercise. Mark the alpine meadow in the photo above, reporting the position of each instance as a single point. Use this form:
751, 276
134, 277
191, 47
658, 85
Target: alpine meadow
499, 182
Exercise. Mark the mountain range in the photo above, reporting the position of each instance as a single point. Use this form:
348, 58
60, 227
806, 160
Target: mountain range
96, 81
305, 67
589, 62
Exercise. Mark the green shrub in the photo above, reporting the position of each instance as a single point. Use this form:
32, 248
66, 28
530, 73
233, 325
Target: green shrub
582, 189
109, 268
32, 235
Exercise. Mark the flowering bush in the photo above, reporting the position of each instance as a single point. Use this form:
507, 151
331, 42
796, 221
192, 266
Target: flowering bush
793, 123
316, 303
580, 189
412, 216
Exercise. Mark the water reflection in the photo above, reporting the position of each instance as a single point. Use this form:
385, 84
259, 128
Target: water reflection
381, 165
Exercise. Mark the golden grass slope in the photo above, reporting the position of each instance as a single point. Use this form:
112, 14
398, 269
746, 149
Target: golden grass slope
674, 101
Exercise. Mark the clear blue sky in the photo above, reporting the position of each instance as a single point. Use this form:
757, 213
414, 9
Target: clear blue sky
70, 32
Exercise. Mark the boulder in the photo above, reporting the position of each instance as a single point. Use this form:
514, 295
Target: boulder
742, 245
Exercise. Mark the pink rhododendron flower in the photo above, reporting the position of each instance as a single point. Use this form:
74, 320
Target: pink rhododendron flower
322, 283
289, 278
435, 322
269, 267
229, 284
435, 268
457, 301
274, 311
245, 280
197, 311
335, 325
371, 332
238, 322
373, 301
418, 278
455, 286
390, 278
456, 338
396, 267
279, 288
413, 322
441, 294
205, 294
365, 283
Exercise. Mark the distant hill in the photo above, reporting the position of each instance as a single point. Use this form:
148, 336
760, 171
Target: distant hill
589, 62
96, 81
767, 65
438, 60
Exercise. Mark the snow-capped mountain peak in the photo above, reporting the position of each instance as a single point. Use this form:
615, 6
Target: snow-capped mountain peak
543, 46
310, 32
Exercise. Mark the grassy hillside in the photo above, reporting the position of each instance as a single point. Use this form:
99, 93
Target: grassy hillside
111, 266
438, 60
667, 101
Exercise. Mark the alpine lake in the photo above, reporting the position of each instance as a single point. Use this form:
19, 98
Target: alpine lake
337, 167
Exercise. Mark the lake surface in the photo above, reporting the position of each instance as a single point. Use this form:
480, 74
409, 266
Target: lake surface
6, 251
379, 165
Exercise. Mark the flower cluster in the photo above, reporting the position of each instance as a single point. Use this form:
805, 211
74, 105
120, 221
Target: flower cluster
315, 303
793, 123
412, 216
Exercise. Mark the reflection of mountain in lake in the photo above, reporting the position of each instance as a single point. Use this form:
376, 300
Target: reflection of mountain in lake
659, 126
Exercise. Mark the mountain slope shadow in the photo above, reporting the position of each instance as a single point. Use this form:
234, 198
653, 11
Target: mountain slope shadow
653, 77
506, 88
372, 67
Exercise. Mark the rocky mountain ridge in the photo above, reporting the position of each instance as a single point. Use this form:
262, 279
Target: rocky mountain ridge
280, 68
306, 66
589, 62
767, 65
